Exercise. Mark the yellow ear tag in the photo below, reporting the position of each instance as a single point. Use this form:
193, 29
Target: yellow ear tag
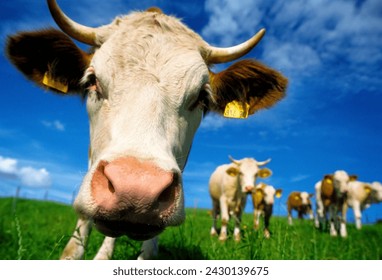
236, 110
278, 194
329, 181
49, 82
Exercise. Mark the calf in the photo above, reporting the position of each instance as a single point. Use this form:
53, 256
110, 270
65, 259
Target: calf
331, 195
300, 202
263, 197
361, 195
229, 185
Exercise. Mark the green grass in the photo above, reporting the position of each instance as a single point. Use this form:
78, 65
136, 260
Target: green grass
37, 230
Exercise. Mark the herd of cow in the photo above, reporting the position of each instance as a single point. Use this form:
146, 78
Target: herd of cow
231, 183
148, 82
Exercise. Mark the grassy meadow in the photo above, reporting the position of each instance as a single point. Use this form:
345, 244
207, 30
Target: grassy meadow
39, 230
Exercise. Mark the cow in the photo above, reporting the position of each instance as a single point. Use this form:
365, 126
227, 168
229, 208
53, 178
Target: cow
360, 197
331, 195
229, 185
148, 82
300, 202
263, 197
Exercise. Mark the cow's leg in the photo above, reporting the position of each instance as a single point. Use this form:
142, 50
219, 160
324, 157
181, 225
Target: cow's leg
149, 249
268, 210
332, 221
106, 250
357, 214
236, 232
343, 230
215, 212
290, 222
75, 248
320, 219
224, 218
256, 221
310, 213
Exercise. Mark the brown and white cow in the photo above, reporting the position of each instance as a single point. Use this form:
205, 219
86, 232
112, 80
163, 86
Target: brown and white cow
147, 83
331, 195
300, 202
228, 186
360, 197
263, 198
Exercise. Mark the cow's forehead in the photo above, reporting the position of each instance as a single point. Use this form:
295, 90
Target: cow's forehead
341, 177
140, 26
248, 164
269, 190
152, 48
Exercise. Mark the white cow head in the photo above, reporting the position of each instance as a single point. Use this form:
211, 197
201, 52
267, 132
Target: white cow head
341, 180
148, 84
266, 194
247, 170
305, 198
376, 188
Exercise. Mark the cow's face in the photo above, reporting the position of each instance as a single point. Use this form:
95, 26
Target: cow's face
377, 189
147, 84
267, 193
305, 198
248, 170
340, 182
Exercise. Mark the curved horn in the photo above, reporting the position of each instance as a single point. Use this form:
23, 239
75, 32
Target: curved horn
77, 31
234, 160
261, 163
221, 55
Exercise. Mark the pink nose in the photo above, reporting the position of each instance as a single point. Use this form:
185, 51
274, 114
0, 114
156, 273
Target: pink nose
133, 190
249, 188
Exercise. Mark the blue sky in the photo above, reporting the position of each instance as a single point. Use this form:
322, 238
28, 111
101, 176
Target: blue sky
331, 51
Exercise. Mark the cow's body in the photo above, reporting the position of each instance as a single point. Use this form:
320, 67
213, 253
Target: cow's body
300, 202
148, 84
360, 197
228, 186
331, 194
263, 198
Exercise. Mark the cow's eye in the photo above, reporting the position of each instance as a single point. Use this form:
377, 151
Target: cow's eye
202, 100
92, 86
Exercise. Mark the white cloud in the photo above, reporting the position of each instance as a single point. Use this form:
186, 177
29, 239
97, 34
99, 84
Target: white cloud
28, 176
301, 34
229, 20
8, 165
57, 125
299, 178
32, 177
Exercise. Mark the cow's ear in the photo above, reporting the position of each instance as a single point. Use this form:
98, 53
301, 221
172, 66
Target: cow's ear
232, 171
353, 178
367, 188
49, 58
248, 82
328, 178
264, 173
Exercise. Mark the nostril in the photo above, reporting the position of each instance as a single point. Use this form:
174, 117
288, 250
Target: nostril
111, 187
168, 196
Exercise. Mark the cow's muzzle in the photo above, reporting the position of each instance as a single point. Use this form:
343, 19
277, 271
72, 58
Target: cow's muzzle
134, 197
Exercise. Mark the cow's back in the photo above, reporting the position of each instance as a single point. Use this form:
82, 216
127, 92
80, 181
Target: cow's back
294, 200
216, 183
358, 192
223, 184
327, 191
